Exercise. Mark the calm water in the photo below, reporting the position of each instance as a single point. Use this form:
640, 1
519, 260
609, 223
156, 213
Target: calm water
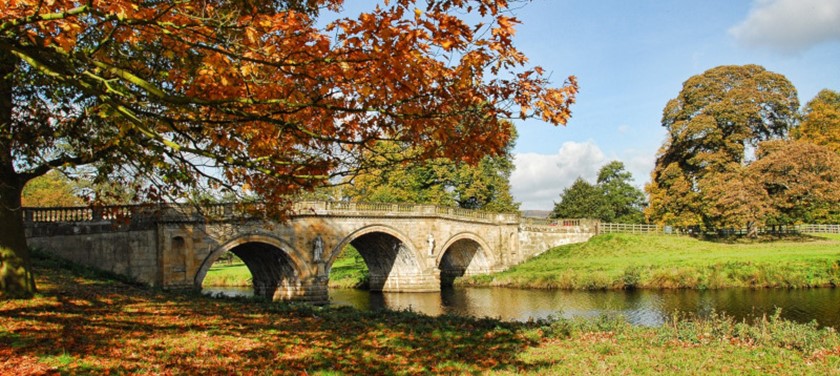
642, 307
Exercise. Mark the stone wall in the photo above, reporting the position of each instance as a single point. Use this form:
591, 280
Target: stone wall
125, 250
536, 239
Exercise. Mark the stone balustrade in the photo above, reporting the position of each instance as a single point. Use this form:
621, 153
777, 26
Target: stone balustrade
174, 212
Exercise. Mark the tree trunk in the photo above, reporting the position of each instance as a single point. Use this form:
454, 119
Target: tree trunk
16, 279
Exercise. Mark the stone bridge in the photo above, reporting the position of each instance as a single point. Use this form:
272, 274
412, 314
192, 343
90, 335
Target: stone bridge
405, 247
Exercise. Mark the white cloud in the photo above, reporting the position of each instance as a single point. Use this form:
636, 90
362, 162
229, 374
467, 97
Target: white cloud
789, 26
540, 178
640, 164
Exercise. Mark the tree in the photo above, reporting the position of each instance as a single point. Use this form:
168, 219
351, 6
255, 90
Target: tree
51, 189
249, 94
801, 179
485, 186
714, 124
611, 199
624, 201
442, 181
821, 120
735, 199
580, 200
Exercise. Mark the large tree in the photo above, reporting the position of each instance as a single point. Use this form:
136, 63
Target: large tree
735, 199
802, 181
714, 126
821, 120
249, 93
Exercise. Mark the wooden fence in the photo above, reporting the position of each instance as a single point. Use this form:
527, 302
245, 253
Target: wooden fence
629, 228
819, 229
626, 228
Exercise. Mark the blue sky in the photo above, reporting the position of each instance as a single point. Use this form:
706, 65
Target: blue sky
631, 57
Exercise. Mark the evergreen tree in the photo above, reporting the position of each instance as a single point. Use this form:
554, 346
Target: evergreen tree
624, 201
612, 199
581, 200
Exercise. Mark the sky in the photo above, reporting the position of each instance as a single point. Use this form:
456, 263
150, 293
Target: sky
631, 57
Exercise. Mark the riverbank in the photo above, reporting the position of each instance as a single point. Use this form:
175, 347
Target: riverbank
625, 261
81, 323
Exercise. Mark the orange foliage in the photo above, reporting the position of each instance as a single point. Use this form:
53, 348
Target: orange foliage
262, 91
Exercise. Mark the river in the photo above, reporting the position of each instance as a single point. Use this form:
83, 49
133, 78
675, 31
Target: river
640, 307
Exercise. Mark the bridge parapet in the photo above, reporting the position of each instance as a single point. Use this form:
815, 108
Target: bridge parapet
562, 225
399, 210
227, 211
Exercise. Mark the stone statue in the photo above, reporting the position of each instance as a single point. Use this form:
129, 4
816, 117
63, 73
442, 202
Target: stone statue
317, 248
431, 241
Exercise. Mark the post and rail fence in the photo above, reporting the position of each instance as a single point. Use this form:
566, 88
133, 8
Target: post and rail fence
626, 228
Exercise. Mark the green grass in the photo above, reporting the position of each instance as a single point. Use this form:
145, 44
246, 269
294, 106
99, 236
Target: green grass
235, 274
348, 271
619, 261
88, 324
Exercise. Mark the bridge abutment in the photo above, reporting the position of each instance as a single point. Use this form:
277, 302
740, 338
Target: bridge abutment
312, 291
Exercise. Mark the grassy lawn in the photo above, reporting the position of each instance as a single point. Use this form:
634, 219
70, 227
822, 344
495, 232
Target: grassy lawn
616, 261
349, 270
223, 274
81, 323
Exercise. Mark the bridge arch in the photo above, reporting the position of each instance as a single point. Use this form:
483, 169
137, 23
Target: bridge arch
465, 253
275, 267
391, 258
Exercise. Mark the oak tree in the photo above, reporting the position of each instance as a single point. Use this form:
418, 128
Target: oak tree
253, 94
802, 181
821, 120
714, 126
735, 199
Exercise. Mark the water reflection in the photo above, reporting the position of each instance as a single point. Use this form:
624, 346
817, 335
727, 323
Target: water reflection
641, 307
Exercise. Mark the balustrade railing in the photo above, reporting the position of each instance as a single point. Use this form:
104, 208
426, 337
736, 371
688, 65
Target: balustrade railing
228, 210
560, 222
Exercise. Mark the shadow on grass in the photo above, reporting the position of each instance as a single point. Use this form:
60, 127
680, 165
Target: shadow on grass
762, 238
91, 324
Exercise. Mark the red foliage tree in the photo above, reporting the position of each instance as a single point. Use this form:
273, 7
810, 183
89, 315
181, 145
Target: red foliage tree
256, 91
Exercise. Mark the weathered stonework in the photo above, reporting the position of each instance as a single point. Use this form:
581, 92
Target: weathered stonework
406, 247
